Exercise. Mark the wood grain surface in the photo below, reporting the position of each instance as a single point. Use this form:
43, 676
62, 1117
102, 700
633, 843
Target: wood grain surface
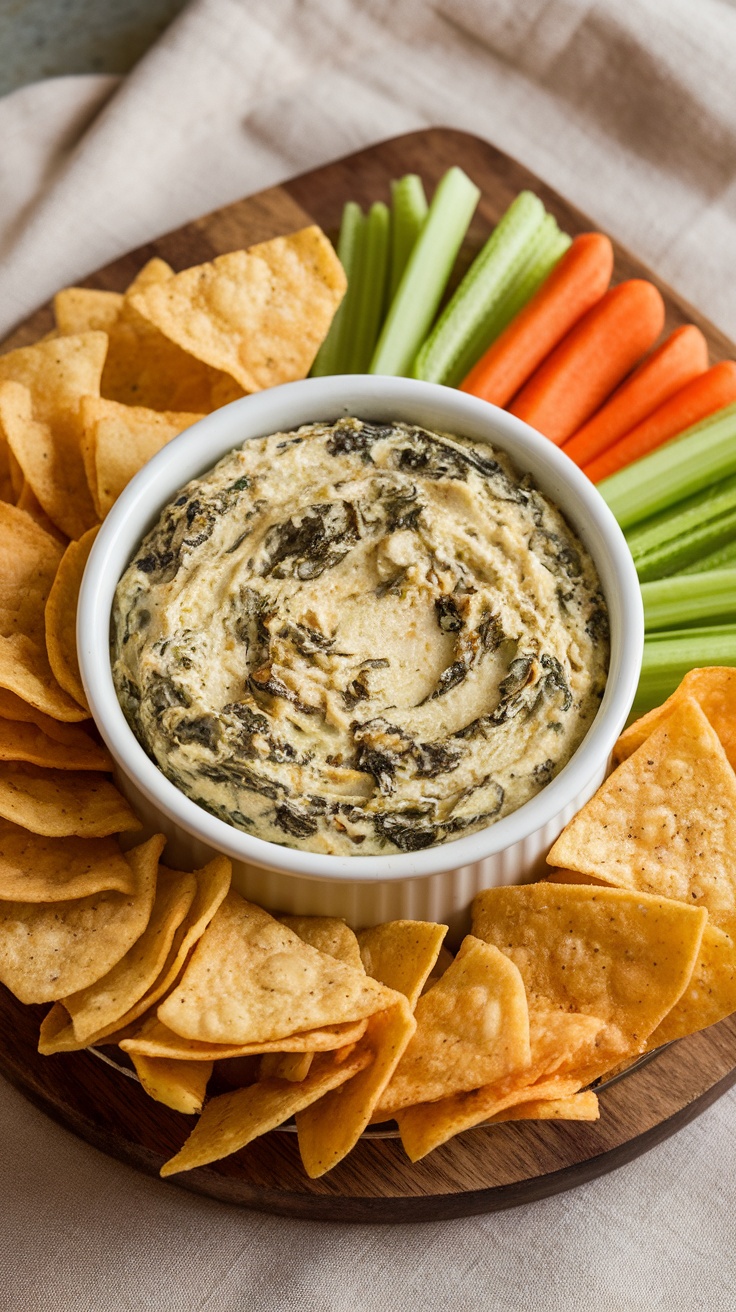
485, 1169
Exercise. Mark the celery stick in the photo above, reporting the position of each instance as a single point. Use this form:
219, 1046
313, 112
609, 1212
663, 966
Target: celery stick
547, 250
425, 276
724, 558
667, 659
372, 275
460, 335
684, 465
687, 598
408, 212
332, 355
672, 556
685, 515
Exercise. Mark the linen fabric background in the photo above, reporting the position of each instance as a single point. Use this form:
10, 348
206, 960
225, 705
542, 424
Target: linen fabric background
625, 106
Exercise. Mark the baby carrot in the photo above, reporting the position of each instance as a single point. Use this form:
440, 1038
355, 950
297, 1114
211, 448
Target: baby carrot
678, 360
579, 375
698, 399
575, 284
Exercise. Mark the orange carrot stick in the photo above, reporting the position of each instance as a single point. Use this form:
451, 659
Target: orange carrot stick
699, 398
682, 357
574, 285
580, 374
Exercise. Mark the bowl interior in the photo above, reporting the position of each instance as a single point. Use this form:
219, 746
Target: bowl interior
372, 398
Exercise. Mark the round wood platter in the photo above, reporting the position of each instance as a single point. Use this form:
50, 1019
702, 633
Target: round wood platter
485, 1169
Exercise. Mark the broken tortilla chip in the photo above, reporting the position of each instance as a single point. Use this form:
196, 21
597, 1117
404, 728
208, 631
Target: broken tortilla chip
233, 1120
61, 617
402, 954
38, 869
251, 979
61, 803
258, 315
665, 821
577, 1107
181, 1085
48, 950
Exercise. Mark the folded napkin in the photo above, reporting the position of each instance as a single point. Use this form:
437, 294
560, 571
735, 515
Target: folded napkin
627, 108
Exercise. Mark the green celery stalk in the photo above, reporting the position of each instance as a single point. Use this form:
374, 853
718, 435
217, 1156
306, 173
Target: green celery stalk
672, 603
547, 250
460, 335
334, 352
372, 276
668, 657
685, 515
686, 464
408, 212
673, 555
724, 558
425, 277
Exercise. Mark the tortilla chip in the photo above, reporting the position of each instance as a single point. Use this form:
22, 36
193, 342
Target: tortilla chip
251, 979
329, 1129
285, 1065
26, 742
154, 1039
713, 688
430, 1124
665, 821
75, 736
622, 957
48, 950
41, 387
402, 954
61, 803
103, 1003
61, 617
120, 440
35, 869
710, 994
327, 934
574, 877
259, 315
233, 1120
472, 1029
29, 559
181, 1085
578, 1107
84, 310
443, 962
154, 270
29, 502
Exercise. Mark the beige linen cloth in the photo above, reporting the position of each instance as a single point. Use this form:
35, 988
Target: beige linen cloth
628, 108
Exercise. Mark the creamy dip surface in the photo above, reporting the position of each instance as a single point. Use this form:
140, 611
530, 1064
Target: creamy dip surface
360, 638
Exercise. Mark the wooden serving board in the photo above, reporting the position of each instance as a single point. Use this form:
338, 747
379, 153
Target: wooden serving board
485, 1169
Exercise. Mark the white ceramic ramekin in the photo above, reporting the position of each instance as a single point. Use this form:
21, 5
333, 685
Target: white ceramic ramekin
439, 882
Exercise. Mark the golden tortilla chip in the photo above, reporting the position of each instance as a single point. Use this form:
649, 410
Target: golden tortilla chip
48, 950
181, 1085
61, 617
430, 1124
29, 559
251, 979
41, 387
103, 1003
154, 1039
710, 994
121, 440
578, 1107
259, 315
327, 934
62, 803
625, 958
233, 1120
665, 821
713, 688
285, 1065
36, 869
154, 270
329, 1129
213, 881
84, 310
29, 502
402, 954
75, 736
26, 742
472, 1029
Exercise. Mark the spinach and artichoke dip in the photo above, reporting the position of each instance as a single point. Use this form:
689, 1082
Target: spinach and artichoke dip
360, 638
